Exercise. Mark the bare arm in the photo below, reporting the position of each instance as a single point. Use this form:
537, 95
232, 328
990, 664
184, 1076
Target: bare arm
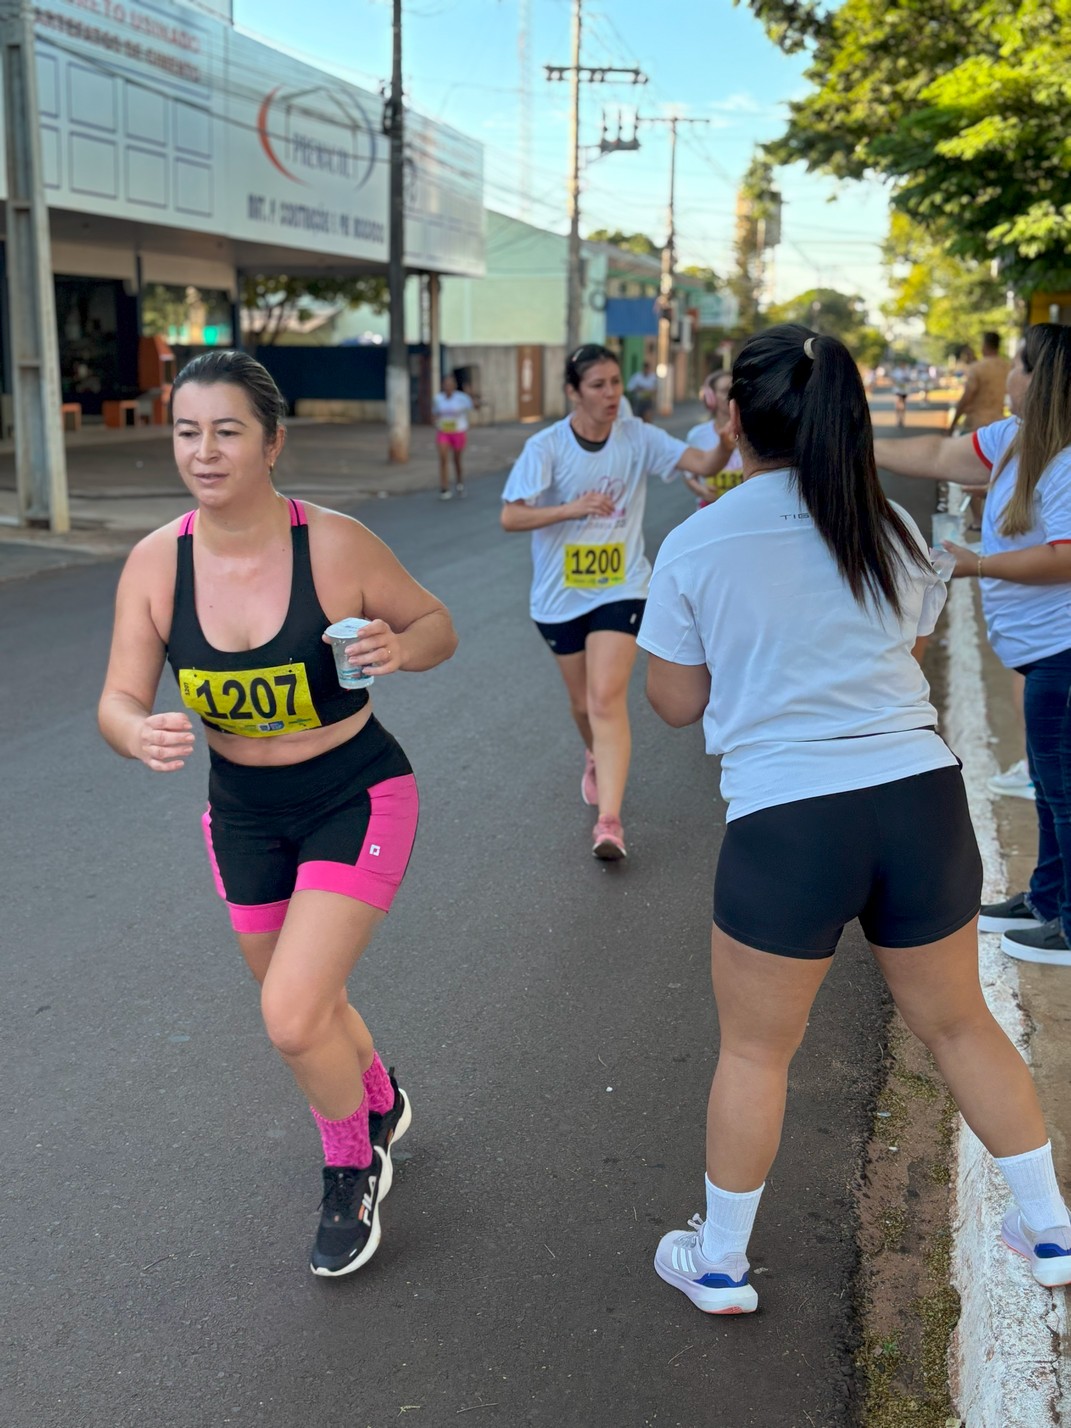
162, 742
519, 516
410, 629
708, 463
678, 693
933, 457
1036, 565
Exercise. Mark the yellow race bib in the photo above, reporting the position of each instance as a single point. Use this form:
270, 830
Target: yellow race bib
591, 567
724, 481
447, 424
256, 703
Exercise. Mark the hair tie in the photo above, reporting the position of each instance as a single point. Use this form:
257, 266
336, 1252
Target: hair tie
808, 348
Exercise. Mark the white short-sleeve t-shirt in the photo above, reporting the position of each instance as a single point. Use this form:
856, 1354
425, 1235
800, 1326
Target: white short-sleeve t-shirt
577, 565
1024, 622
811, 692
451, 414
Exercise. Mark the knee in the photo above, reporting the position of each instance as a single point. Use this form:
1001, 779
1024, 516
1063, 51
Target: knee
293, 1027
606, 703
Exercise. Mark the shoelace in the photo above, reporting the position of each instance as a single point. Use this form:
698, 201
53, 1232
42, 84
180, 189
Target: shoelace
338, 1192
696, 1224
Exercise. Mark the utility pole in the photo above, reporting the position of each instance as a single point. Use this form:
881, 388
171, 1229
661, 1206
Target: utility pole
669, 263
398, 357
40, 455
579, 74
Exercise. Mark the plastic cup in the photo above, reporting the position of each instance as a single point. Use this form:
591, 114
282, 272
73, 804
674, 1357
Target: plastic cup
943, 562
342, 634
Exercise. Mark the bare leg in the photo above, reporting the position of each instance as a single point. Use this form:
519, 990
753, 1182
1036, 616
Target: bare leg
763, 1004
574, 673
610, 658
317, 949
459, 475
444, 466
937, 992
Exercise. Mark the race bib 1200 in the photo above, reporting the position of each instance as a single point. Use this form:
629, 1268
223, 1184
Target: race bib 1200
254, 702
591, 567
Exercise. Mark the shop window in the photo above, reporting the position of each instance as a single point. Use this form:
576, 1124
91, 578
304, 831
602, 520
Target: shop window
186, 317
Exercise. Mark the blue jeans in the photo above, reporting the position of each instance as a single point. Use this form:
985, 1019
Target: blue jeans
1047, 708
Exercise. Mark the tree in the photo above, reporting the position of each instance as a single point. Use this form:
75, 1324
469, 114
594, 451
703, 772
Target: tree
273, 299
955, 300
838, 314
707, 276
963, 104
757, 203
630, 242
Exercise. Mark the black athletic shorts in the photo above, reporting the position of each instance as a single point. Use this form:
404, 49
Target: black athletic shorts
901, 857
571, 636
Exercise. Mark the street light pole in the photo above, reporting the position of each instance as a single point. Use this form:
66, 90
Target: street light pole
398, 357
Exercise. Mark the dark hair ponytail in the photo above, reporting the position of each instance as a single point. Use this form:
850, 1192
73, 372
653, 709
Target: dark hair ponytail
802, 402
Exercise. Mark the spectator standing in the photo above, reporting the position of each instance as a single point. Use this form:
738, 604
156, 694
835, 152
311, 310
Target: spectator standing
641, 390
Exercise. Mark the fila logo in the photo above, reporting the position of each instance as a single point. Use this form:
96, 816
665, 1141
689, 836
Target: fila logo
367, 1200
373, 851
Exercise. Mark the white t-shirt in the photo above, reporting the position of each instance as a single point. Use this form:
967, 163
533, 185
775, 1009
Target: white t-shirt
624, 410
1024, 622
579, 564
451, 414
706, 439
642, 382
811, 692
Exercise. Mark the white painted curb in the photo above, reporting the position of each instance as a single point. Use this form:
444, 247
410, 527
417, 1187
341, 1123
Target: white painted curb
1006, 1364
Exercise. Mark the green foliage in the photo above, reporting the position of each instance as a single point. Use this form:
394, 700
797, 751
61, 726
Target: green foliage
707, 278
630, 242
274, 298
955, 300
963, 104
838, 314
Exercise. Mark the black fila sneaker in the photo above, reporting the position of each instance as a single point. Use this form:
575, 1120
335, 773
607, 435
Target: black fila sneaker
349, 1230
386, 1127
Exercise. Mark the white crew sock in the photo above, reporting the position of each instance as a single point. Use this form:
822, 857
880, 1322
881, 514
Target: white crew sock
1032, 1180
730, 1216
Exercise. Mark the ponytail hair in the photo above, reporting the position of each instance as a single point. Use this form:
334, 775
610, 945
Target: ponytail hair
802, 403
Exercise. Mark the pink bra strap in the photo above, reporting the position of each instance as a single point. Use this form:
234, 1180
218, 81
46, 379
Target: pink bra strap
297, 513
187, 523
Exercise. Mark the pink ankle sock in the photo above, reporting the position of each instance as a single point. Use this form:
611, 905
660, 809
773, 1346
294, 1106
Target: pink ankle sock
377, 1086
346, 1142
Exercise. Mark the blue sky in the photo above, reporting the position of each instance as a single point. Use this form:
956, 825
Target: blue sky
704, 58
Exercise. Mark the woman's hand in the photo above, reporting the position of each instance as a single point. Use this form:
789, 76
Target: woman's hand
378, 650
591, 503
164, 742
966, 560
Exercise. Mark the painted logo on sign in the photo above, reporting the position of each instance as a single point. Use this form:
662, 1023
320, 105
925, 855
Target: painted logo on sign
316, 131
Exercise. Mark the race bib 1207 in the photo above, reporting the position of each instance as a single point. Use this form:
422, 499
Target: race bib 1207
591, 567
254, 702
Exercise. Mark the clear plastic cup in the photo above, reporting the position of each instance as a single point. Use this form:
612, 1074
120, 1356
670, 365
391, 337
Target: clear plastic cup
943, 562
342, 634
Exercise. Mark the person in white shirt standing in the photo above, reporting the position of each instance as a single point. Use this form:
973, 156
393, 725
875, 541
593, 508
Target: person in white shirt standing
642, 387
1024, 569
450, 411
714, 395
580, 487
787, 617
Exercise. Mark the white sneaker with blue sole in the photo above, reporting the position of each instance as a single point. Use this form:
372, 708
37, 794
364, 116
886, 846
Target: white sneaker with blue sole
1048, 1252
715, 1286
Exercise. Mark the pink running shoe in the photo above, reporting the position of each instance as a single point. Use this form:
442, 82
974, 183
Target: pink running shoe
589, 789
609, 839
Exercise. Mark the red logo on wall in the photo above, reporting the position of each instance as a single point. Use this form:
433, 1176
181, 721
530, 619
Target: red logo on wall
315, 131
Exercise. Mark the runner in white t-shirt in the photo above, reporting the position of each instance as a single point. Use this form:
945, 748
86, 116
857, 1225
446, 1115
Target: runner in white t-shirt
450, 411
786, 617
1024, 567
580, 487
714, 394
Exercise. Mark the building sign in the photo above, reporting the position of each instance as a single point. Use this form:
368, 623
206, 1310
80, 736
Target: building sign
158, 112
717, 310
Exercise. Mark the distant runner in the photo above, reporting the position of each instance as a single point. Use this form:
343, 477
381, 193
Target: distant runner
707, 436
450, 411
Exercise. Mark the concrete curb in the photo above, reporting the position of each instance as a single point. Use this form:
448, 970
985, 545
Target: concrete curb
1005, 1361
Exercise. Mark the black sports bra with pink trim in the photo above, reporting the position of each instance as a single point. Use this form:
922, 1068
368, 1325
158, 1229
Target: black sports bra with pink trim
281, 687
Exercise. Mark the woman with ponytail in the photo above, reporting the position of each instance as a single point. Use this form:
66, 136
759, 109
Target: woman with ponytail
1024, 570
786, 617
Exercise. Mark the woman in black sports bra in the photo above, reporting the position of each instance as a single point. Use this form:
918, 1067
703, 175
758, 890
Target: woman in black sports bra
312, 806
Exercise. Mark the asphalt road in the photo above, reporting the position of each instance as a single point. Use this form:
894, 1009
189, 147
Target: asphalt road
550, 1016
